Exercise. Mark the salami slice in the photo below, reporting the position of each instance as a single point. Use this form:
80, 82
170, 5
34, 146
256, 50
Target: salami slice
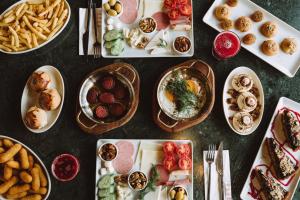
130, 12
162, 20
163, 175
123, 164
125, 148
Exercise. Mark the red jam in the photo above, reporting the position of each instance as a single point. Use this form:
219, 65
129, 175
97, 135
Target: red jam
226, 45
65, 167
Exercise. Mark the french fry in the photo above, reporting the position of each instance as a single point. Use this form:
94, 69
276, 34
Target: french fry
25, 177
16, 196
8, 13
44, 28
12, 40
22, 12
5, 48
36, 183
32, 197
2, 38
43, 178
20, 8
9, 19
62, 17
40, 35
50, 14
54, 23
54, 31
37, 20
62, 7
24, 158
34, 40
4, 187
23, 41
13, 164
30, 13
7, 172
56, 2
2, 149
17, 42
10, 153
18, 189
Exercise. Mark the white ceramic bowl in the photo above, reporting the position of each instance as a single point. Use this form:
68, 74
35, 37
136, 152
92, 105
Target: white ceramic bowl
150, 32
118, 15
179, 52
176, 186
98, 151
130, 184
46, 42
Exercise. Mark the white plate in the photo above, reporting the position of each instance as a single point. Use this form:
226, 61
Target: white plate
46, 42
36, 157
227, 86
261, 158
139, 144
130, 52
287, 64
30, 98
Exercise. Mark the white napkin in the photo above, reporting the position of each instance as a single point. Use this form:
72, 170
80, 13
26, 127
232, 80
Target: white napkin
214, 187
82, 26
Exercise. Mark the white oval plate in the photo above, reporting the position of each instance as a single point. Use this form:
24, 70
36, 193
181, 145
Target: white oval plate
30, 98
37, 158
46, 42
227, 86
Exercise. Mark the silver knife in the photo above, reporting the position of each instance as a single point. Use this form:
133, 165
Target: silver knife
219, 165
85, 37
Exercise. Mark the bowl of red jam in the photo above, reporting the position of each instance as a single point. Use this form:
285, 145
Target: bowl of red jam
65, 167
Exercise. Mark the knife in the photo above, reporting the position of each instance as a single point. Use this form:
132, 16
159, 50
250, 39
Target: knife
85, 37
219, 167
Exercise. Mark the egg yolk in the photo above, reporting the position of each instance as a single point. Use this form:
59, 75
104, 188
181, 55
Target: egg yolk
193, 86
170, 96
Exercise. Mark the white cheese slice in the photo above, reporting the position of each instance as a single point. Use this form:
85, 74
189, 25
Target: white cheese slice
179, 175
154, 195
150, 158
162, 34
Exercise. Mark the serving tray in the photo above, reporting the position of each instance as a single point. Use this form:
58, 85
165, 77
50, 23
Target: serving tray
90, 126
143, 145
287, 64
136, 53
171, 125
262, 160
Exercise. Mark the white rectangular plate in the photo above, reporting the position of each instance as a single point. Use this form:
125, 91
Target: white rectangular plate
262, 157
137, 160
130, 52
287, 64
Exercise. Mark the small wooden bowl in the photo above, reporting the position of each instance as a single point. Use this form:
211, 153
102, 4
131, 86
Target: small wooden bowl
129, 77
173, 124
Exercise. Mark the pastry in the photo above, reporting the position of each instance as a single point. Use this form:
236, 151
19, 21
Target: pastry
36, 118
282, 164
222, 12
270, 47
271, 190
291, 128
226, 24
289, 45
249, 39
247, 102
269, 29
243, 24
242, 83
257, 16
232, 3
39, 81
49, 99
242, 122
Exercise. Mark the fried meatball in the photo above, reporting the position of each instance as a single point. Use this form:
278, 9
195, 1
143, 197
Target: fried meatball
39, 81
49, 99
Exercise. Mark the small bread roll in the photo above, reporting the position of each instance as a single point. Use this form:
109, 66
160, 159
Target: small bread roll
249, 39
226, 24
270, 47
36, 118
222, 12
269, 29
243, 24
232, 3
289, 45
39, 81
49, 99
257, 16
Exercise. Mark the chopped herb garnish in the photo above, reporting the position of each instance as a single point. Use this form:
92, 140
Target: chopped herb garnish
151, 186
162, 43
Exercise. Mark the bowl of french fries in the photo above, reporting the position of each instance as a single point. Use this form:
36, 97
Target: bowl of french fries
30, 24
24, 176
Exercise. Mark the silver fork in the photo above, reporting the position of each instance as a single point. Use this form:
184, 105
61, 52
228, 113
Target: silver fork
97, 45
210, 157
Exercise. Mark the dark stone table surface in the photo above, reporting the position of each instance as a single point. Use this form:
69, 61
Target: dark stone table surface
65, 136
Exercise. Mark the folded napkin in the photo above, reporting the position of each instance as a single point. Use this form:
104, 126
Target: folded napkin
214, 187
82, 27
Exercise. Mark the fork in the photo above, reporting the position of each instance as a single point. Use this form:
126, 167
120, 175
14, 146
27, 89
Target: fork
210, 157
97, 45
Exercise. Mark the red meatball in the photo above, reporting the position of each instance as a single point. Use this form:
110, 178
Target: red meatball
108, 83
92, 95
120, 92
117, 109
107, 98
101, 112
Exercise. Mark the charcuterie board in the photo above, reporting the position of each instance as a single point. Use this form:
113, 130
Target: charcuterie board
166, 165
144, 28
263, 160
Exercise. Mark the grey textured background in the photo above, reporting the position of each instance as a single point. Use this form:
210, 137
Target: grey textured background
65, 136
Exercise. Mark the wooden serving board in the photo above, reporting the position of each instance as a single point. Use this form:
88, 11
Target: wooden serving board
170, 125
91, 127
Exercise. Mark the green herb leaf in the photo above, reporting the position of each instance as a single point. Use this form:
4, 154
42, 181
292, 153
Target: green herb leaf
151, 186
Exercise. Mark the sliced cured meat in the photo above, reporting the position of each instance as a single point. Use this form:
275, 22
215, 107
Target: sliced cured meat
122, 164
130, 12
125, 148
163, 174
162, 20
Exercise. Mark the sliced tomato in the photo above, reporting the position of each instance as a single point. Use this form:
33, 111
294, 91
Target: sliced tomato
169, 163
173, 14
184, 150
170, 4
182, 2
185, 163
169, 147
185, 10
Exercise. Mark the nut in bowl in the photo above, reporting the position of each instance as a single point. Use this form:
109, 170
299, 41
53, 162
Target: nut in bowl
113, 8
147, 25
108, 152
137, 181
182, 45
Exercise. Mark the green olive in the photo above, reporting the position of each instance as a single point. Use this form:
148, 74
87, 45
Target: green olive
172, 194
112, 2
112, 12
118, 7
179, 195
106, 6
